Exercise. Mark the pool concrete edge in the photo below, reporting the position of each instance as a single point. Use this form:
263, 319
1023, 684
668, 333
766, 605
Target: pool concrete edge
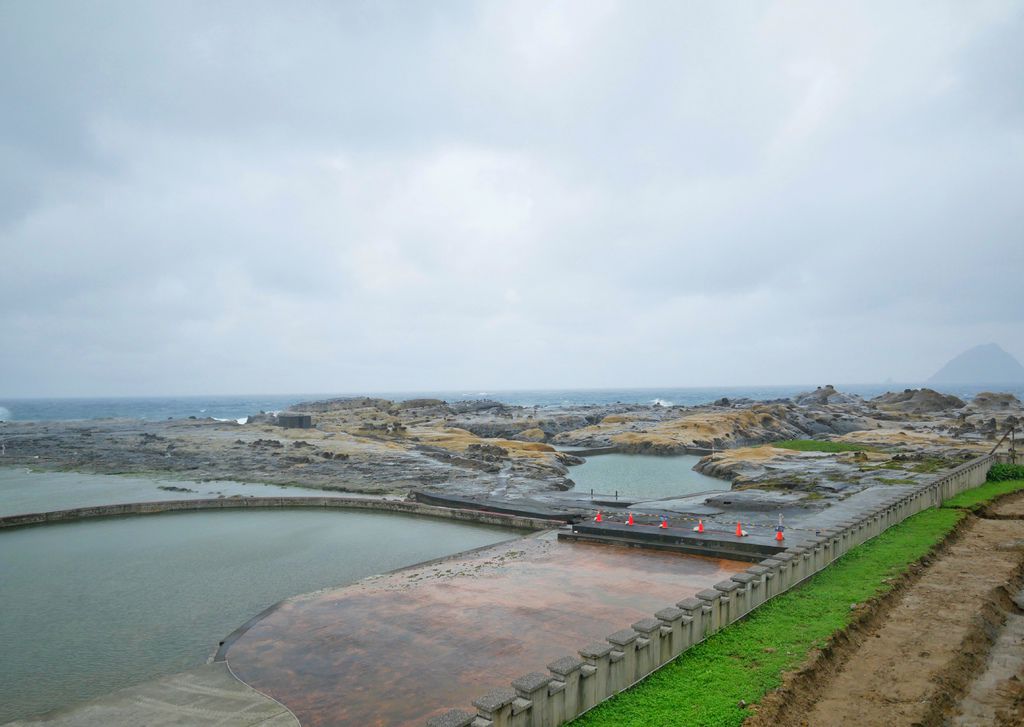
514, 521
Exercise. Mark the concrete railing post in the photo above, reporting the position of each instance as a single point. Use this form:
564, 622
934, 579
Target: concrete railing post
842, 540
748, 584
699, 627
567, 672
648, 646
673, 640
771, 577
532, 690
729, 601
759, 585
858, 533
622, 659
801, 561
834, 547
786, 579
452, 718
595, 674
816, 549
496, 706
711, 599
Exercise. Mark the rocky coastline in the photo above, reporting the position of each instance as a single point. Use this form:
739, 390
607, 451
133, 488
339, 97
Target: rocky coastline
489, 449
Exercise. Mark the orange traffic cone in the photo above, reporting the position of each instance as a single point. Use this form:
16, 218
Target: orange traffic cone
700, 526
778, 536
740, 532
630, 521
598, 518
664, 524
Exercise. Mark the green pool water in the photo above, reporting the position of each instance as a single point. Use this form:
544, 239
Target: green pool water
22, 490
90, 607
642, 476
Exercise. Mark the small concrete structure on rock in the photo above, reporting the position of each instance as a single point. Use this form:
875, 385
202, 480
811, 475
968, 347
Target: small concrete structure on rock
295, 421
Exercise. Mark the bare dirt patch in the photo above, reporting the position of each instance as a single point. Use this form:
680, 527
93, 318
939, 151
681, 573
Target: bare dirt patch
913, 654
1010, 507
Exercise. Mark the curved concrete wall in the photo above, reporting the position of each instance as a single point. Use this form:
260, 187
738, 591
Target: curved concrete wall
342, 503
572, 685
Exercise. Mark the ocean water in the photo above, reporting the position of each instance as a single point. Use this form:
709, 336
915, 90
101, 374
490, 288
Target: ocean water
238, 407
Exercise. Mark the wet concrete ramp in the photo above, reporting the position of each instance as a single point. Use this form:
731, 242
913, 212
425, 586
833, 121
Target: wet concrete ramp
400, 648
205, 696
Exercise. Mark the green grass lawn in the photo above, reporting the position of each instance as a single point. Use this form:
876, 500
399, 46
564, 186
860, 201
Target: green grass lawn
985, 493
815, 445
705, 685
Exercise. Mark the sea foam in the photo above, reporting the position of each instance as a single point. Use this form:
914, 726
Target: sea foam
5, 414
240, 420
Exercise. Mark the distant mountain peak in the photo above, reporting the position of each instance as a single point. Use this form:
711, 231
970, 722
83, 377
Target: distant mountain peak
984, 364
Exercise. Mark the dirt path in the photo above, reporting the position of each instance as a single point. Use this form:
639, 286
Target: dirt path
944, 647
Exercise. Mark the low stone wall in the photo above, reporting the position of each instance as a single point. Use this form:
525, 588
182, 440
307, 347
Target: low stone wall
575, 683
342, 503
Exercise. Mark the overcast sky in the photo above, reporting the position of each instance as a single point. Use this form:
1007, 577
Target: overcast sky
301, 196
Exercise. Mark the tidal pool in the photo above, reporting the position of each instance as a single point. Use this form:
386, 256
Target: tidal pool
642, 476
93, 606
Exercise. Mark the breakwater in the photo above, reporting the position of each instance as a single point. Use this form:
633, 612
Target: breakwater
518, 522
575, 683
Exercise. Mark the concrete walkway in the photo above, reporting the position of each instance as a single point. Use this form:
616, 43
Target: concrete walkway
398, 649
206, 695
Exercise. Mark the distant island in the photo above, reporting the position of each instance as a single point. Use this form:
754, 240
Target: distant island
987, 364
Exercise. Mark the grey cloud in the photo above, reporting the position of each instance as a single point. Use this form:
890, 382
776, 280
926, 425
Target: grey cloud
335, 196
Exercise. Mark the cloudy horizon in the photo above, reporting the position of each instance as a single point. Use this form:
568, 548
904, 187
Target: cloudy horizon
202, 198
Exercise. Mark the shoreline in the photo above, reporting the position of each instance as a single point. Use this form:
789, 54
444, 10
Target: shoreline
484, 454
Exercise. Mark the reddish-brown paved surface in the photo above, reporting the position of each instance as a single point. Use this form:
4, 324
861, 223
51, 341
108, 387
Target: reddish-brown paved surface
397, 649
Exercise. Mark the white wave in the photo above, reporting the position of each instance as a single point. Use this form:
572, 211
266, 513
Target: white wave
240, 420
5, 414
661, 402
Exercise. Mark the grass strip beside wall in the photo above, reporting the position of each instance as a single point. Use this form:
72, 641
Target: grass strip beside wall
983, 494
707, 684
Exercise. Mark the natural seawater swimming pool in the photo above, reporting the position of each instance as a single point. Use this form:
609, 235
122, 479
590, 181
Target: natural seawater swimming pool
642, 476
93, 606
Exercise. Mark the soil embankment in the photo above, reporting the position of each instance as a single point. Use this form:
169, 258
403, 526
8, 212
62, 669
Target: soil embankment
937, 650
